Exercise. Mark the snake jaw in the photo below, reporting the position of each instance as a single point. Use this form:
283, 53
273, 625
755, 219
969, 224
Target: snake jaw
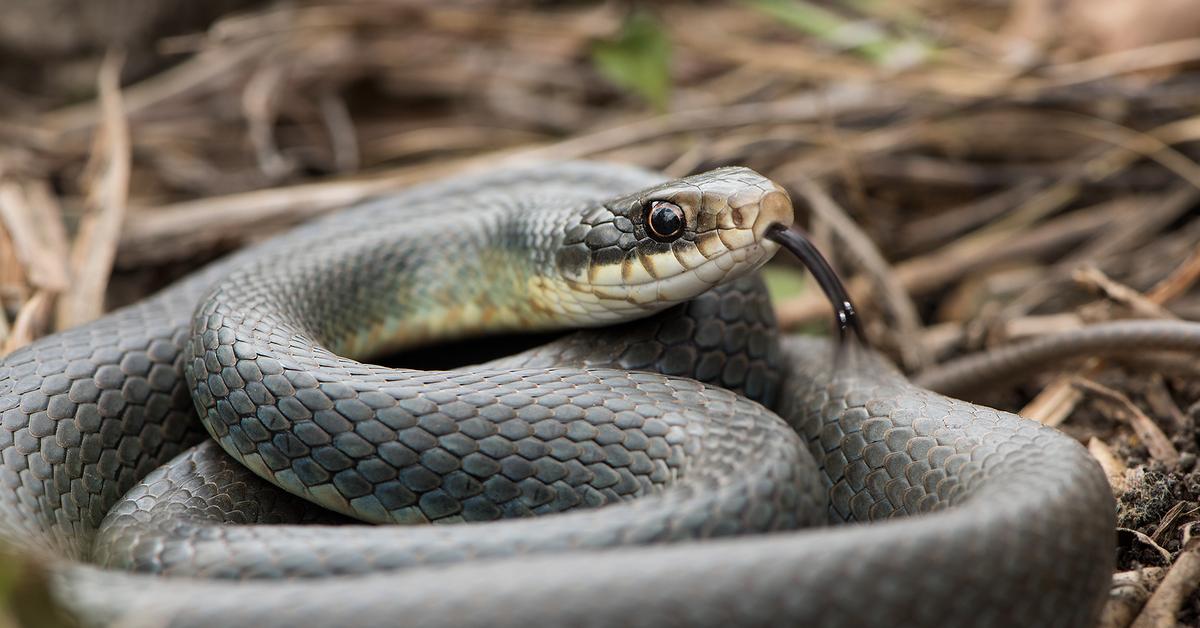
612, 264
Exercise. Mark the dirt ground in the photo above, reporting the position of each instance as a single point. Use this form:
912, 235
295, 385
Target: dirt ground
982, 171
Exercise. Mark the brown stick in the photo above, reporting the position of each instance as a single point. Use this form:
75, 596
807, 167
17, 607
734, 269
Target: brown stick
179, 230
1120, 293
1156, 441
1180, 582
1160, 402
1130, 590
1113, 466
927, 273
1058, 400
31, 321
96, 244
1178, 282
45, 264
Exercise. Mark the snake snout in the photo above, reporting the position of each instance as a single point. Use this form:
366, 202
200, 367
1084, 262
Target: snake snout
774, 208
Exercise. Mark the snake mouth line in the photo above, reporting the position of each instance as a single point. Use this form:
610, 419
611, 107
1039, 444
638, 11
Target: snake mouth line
638, 268
682, 285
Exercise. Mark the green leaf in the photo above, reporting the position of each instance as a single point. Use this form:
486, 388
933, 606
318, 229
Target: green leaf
862, 36
638, 59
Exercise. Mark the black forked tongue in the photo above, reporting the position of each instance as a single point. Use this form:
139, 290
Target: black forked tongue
796, 241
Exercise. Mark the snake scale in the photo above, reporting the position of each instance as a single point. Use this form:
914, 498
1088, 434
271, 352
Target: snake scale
665, 492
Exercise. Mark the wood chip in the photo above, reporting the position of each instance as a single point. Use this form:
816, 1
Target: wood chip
1114, 467
1058, 400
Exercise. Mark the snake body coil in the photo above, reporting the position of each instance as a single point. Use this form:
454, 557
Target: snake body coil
666, 494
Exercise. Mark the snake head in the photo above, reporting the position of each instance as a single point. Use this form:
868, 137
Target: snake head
666, 244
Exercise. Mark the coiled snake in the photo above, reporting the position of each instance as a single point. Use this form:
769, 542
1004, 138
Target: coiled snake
666, 494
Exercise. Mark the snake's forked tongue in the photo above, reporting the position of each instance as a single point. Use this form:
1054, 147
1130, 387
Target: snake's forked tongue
798, 243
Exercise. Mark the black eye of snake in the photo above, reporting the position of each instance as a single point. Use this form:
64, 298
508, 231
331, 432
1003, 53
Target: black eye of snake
665, 221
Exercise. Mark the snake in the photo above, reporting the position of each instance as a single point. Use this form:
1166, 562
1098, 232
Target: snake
231, 451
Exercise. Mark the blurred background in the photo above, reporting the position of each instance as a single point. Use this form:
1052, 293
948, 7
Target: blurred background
981, 170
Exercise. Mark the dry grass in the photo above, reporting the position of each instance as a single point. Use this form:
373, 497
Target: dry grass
978, 178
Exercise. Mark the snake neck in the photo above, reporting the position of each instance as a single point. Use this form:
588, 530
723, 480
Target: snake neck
497, 273
551, 259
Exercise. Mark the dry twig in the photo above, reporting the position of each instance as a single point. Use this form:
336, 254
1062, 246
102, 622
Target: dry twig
1181, 580
1113, 467
1152, 436
96, 244
1130, 590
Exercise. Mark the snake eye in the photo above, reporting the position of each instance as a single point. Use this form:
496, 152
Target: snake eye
665, 221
